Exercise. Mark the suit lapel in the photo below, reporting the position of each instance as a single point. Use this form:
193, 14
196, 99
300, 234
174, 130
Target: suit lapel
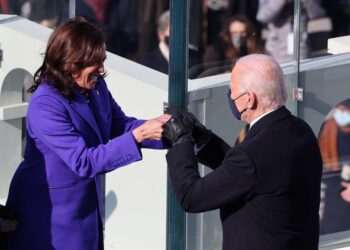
277, 115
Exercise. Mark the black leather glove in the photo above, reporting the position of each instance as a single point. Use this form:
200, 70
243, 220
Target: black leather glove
178, 129
200, 133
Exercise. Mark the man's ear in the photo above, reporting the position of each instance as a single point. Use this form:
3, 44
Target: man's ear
252, 100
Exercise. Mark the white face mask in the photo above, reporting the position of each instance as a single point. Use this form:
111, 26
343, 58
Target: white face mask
238, 41
342, 118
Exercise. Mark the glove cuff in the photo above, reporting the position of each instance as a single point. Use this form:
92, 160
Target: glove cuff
203, 139
184, 138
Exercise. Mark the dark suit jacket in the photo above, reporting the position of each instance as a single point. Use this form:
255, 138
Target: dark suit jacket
267, 188
155, 60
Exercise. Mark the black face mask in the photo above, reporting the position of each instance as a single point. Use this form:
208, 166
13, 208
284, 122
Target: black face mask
166, 40
233, 106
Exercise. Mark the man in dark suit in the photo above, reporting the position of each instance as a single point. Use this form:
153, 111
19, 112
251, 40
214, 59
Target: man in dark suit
268, 187
158, 59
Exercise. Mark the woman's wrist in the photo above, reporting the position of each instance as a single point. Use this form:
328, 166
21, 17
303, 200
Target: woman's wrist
138, 135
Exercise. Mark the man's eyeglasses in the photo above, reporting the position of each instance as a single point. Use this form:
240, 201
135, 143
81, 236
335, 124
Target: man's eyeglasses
229, 94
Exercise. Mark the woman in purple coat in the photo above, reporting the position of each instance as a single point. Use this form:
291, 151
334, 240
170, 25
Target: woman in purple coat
75, 133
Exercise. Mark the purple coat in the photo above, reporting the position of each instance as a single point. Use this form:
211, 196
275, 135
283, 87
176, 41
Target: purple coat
56, 191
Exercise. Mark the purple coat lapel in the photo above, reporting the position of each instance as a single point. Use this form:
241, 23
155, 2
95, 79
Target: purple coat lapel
81, 106
99, 103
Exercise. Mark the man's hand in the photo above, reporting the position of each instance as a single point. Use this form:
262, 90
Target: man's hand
178, 129
201, 134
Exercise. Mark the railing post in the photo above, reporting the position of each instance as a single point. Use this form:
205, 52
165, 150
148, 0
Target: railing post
178, 75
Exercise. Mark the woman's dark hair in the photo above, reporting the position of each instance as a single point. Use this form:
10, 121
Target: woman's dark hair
74, 45
253, 46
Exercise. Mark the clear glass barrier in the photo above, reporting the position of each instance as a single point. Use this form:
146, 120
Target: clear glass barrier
325, 108
47, 13
219, 33
325, 82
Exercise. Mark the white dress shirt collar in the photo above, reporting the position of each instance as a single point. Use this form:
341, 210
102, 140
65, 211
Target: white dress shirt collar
259, 117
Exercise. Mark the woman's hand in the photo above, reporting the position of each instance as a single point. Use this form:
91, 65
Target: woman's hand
151, 129
345, 194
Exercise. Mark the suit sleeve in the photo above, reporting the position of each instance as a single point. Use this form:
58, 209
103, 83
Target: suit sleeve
50, 124
213, 153
233, 182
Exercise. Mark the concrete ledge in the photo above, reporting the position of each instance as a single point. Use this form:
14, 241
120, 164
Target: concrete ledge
13, 111
340, 241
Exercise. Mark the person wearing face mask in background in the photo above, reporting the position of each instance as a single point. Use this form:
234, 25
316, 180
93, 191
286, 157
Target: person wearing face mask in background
158, 59
278, 15
237, 39
267, 187
334, 140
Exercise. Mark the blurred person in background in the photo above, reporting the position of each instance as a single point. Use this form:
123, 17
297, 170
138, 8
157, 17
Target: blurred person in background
247, 9
45, 12
148, 13
217, 11
278, 16
4, 7
76, 132
117, 21
334, 140
158, 59
237, 39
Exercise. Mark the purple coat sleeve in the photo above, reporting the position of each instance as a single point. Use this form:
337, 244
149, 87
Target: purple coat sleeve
50, 125
123, 124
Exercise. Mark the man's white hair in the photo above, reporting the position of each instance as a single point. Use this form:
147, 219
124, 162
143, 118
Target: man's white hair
164, 21
262, 75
